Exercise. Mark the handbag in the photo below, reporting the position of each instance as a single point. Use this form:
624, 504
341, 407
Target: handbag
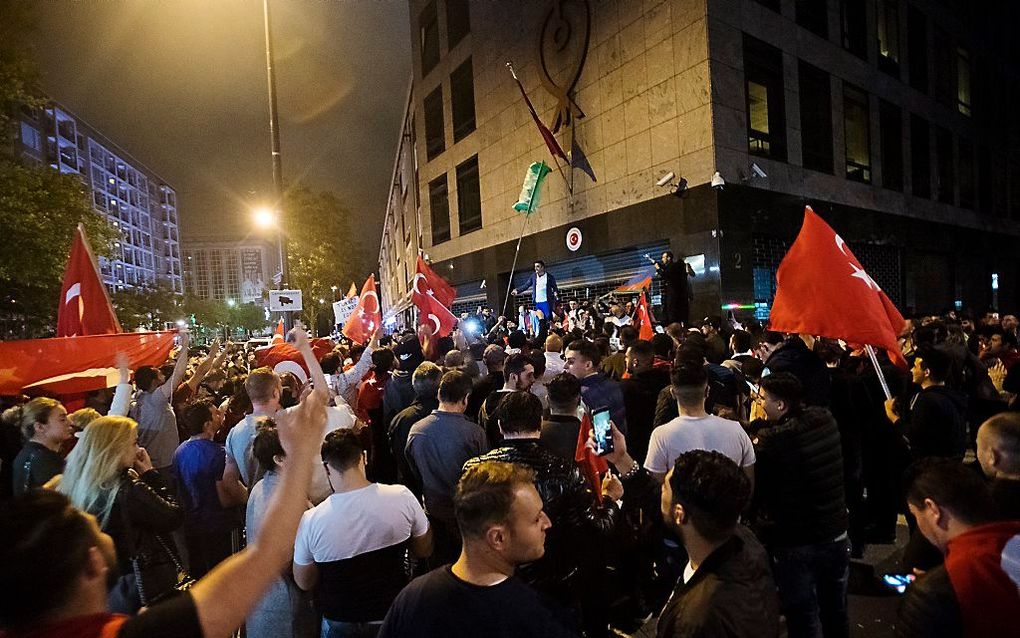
183, 581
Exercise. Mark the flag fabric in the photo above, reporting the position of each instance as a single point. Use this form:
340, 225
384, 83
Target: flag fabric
436, 317
367, 315
353, 291
434, 285
592, 466
284, 357
547, 135
65, 365
822, 290
531, 191
983, 565
640, 281
85, 307
644, 318
580, 161
278, 333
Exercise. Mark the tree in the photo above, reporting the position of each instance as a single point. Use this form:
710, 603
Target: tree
148, 307
39, 207
321, 248
248, 317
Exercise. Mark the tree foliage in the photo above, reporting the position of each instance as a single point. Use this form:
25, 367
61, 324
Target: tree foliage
322, 250
150, 308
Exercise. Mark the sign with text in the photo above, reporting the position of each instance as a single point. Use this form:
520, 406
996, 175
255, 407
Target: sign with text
284, 300
252, 279
343, 309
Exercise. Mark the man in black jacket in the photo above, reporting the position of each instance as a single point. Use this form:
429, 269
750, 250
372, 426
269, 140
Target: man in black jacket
726, 588
399, 393
792, 355
579, 524
801, 508
934, 422
425, 382
640, 392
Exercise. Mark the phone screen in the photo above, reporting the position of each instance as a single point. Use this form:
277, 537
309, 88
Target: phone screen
898, 582
603, 435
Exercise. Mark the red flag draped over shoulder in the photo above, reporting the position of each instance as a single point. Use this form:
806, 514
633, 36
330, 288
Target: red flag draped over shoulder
367, 315
85, 308
821, 289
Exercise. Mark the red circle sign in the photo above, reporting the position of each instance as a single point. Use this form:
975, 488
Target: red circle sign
574, 239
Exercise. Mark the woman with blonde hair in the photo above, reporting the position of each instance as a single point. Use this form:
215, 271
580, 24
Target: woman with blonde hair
43, 422
109, 476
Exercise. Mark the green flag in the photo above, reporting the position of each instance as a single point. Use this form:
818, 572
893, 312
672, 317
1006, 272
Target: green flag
527, 203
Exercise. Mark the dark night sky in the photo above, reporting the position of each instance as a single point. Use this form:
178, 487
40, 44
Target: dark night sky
181, 85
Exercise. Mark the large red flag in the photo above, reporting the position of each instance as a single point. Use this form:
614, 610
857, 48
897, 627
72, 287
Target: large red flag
436, 317
284, 357
644, 319
85, 307
593, 466
426, 281
822, 290
367, 315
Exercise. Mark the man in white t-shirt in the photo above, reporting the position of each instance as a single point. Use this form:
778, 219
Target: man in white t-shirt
696, 429
351, 547
545, 292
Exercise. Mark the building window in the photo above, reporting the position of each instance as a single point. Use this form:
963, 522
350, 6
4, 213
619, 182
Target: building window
815, 118
813, 15
469, 198
434, 130
856, 128
30, 137
855, 27
458, 21
889, 37
963, 99
763, 83
771, 4
428, 24
439, 208
920, 157
890, 126
462, 100
944, 73
944, 182
966, 171
987, 184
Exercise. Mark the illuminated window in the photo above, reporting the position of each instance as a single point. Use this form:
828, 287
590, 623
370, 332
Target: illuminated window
856, 126
889, 36
963, 80
763, 85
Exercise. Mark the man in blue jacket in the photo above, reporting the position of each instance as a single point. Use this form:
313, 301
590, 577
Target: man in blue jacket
545, 293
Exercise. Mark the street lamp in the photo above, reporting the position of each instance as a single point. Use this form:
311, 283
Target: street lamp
274, 140
264, 217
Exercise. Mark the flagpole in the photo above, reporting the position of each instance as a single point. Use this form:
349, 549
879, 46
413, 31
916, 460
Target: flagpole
517, 251
878, 370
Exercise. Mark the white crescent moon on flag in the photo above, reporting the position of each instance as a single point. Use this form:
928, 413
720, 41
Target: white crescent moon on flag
436, 323
841, 245
72, 292
414, 282
370, 293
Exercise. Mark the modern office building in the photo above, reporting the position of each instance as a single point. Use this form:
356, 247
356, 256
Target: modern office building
891, 118
229, 271
132, 197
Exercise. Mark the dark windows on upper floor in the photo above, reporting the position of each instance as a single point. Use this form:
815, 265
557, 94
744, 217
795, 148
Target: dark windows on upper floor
853, 16
428, 34
917, 48
944, 174
764, 100
439, 209
890, 127
469, 198
888, 18
434, 129
857, 132
815, 118
965, 165
462, 100
458, 21
945, 71
963, 88
813, 15
920, 156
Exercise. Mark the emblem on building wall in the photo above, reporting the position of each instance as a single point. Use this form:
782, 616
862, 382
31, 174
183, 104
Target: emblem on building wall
562, 49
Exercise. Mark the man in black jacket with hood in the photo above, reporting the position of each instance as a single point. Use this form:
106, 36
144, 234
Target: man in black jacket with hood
399, 392
792, 355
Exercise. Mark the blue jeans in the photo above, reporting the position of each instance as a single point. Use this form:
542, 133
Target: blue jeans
340, 629
812, 582
546, 309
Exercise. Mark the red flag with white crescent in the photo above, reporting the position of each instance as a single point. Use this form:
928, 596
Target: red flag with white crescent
644, 319
592, 466
434, 316
367, 315
85, 307
427, 282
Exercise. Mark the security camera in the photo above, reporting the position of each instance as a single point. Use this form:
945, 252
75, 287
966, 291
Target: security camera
665, 179
758, 171
717, 181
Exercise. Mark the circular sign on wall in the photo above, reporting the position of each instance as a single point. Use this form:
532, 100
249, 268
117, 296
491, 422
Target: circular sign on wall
574, 239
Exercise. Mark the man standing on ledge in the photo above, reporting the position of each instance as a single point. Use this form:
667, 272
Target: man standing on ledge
545, 293
676, 289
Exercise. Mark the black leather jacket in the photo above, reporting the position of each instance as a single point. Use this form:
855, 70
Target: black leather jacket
151, 510
579, 525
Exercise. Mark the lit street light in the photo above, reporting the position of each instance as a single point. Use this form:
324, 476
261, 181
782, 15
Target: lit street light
264, 217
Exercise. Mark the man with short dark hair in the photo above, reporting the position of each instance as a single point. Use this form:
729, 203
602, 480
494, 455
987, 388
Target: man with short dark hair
501, 518
597, 391
561, 425
615, 365
426, 399
494, 358
998, 452
974, 592
782, 354
357, 574
640, 391
802, 516
545, 293
437, 447
519, 373
934, 423
157, 424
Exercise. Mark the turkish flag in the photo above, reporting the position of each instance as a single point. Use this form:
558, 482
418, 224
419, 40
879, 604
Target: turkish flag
367, 315
284, 357
644, 319
593, 466
85, 307
278, 334
433, 284
822, 290
436, 317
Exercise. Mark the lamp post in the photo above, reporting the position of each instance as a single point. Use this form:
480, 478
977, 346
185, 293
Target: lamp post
274, 138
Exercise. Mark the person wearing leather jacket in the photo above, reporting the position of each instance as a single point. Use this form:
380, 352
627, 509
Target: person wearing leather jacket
582, 529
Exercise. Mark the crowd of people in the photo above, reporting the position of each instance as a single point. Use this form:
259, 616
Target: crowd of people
414, 486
